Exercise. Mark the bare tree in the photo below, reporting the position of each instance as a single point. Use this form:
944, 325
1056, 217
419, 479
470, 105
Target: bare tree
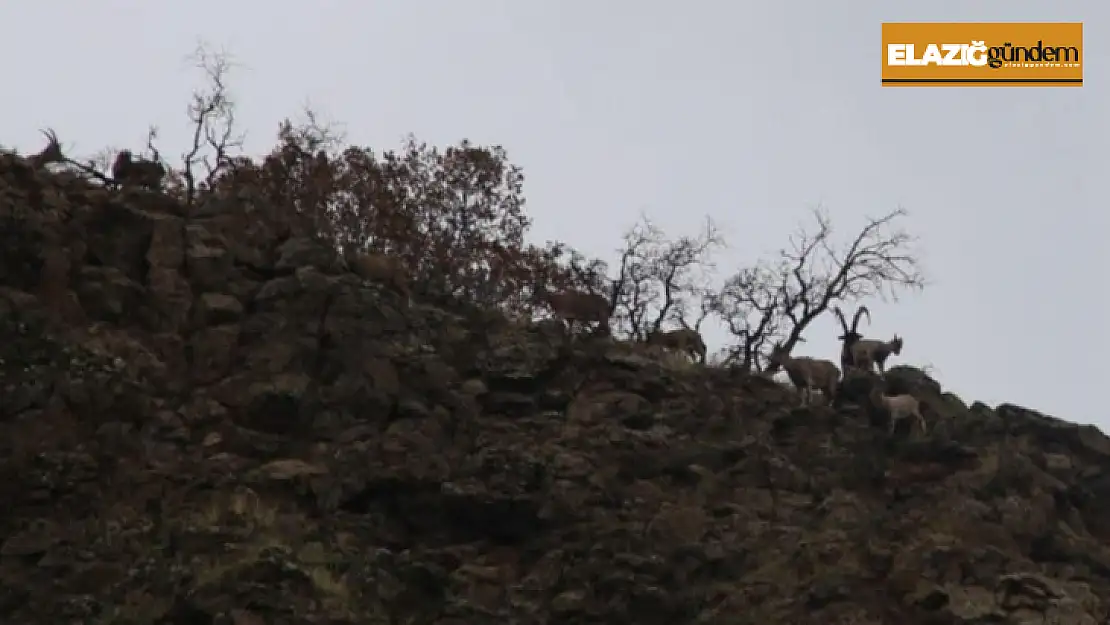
635, 289
101, 161
212, 115
660, 279
750, 304
698, 305
775, 302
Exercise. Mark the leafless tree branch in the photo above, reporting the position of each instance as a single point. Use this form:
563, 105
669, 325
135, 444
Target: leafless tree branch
777, 302
660, 279
212, 114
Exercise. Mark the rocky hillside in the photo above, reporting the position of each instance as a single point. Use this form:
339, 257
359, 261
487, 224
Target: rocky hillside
202, 422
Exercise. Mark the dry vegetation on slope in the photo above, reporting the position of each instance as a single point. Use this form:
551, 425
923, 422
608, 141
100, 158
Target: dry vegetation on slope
205, 417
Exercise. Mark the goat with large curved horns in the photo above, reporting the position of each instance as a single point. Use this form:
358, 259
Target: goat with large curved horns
52, 153
850, 336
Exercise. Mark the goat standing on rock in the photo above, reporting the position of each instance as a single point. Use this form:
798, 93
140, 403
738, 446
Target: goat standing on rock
52, 153
807, 374
141, 172
903, 406
867, 353
572, 306
686, 340
850, 336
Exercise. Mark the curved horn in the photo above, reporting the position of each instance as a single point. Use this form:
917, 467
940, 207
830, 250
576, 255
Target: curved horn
840, 315
862, 310
52, 153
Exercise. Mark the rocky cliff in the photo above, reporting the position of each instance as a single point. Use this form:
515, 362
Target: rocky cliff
204, 422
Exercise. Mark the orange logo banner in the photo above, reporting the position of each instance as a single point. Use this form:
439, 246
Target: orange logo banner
987, 54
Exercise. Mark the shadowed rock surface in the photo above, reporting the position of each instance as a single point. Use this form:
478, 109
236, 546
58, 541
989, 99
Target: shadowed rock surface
204, 422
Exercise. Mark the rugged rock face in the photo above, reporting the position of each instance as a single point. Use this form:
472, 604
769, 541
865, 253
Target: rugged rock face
201, 422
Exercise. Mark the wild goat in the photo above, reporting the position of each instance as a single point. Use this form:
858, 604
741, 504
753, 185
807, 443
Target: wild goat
685, 340
850, 336
900, 407
807, 374
572, 306
385, 268
141, 172
52, 153
869, 352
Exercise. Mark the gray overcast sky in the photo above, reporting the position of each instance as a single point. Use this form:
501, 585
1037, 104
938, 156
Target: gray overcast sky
749, 112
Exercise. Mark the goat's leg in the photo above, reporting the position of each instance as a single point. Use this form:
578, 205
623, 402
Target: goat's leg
568, 331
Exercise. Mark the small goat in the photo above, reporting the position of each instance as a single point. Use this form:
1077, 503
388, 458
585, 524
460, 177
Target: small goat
685, 340
572, 306
900, 407
385, 268
850, 336
52, 153
142, 172
870, 352
807, 374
